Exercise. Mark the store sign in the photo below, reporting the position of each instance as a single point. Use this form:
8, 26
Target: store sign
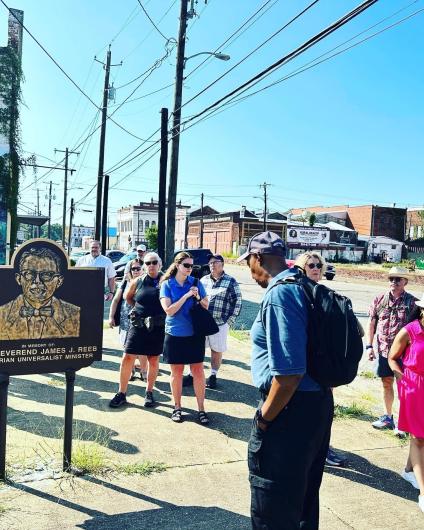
307, 236
51, 315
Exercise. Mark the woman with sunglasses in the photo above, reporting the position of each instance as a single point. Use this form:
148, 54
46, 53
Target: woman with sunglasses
146, 330
178, 293
313, 265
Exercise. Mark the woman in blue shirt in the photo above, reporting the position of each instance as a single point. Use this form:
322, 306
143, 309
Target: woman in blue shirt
181, 346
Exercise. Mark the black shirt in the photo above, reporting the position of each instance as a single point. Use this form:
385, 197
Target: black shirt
147, 297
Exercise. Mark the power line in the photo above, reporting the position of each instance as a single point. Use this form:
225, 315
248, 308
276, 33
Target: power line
151, 21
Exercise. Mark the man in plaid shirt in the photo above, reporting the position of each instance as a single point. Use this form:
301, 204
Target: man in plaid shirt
388, 313
225, 304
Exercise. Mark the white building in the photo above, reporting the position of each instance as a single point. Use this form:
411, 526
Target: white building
134, 220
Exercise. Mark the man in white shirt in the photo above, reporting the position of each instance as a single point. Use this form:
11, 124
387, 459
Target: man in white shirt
96, 259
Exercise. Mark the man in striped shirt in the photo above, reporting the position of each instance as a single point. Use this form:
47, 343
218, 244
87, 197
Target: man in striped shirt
225, 304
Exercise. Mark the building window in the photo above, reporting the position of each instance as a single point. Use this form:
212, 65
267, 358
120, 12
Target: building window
153, 223
146, 224
140, 225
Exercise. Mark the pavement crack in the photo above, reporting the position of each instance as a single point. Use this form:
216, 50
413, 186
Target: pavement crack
333, 512
202, 464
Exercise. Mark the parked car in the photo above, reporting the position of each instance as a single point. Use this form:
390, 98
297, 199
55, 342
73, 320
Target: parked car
330, 271
200, 260
114, 255
121, 264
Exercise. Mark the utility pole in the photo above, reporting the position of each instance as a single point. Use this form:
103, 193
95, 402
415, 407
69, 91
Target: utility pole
104, 212
201, 220
71, 218
264, 186
49, 226
173, 171
38, 210
65, 189
162, 181
98, 224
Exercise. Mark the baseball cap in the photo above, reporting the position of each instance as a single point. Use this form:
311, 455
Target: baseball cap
265, 243
216, 257
143, 248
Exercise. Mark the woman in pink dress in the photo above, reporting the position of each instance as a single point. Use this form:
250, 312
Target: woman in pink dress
406, 359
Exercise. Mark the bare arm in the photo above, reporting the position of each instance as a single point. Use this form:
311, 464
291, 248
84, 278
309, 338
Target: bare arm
113, 306
130, 292
172, 308
282, 389
396, 351
204, 302
372, 324
111, 283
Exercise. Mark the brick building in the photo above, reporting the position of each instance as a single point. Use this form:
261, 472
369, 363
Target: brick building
415, 223
367, 220
226, 232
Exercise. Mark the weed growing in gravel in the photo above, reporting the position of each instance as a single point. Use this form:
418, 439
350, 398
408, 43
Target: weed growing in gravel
351, 411
368, 397
242, 335
56, 382
141, 468
368, 374
90, 458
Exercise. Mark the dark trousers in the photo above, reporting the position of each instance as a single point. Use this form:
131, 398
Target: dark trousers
286, 463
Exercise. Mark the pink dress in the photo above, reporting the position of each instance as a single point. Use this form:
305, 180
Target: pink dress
411, 386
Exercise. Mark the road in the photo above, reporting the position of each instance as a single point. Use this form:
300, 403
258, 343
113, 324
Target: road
361, 293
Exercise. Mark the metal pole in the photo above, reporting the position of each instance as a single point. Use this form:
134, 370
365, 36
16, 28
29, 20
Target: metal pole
201, 221
4, 384
69, 412
104, 212
173, 172
49, 226
65, 193
162, 182
102, 148
71, 218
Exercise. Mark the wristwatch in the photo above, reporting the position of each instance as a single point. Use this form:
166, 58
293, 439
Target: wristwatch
368, 346
259, 417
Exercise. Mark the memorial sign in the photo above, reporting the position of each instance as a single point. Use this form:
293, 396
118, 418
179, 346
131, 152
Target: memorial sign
51, 315
307, 236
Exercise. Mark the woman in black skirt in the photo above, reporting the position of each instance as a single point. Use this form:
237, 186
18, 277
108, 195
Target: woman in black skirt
178, 293
146, 332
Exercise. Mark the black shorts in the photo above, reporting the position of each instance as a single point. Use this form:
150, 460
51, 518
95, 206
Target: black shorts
183, 350
383, 369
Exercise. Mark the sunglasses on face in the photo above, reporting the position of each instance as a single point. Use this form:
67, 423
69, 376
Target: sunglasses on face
395, 279
153, 262
136, 269
315, 265
187, 265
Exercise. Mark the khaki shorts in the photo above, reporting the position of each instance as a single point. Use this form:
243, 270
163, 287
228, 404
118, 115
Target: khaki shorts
218, 342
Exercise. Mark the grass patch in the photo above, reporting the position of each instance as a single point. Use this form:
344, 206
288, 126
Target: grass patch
141, 468
242, 335
368, 397
3, 509
351, 411
56, 382
90, 458
368, 374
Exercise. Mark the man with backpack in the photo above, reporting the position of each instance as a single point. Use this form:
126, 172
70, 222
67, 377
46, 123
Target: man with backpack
291, 429
388, 313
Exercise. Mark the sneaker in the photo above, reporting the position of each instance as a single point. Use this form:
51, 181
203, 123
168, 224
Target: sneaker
409, 476
119, 400
188, 380
400, 434
384, 422
421, 502
333, 459
149, 400
211, 381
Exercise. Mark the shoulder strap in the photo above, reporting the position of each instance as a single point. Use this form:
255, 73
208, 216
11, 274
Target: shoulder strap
384, 302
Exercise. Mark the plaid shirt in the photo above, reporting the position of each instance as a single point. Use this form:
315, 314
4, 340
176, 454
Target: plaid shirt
391, 316
224, 298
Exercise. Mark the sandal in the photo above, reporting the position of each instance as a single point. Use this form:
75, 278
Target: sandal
203, 418
177, 416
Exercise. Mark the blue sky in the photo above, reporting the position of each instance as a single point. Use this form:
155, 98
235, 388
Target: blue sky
349, 131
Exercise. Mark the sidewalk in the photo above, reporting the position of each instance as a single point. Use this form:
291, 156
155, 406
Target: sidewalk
205, 484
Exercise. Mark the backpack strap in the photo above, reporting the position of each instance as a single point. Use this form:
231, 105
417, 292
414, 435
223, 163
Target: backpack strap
384, 302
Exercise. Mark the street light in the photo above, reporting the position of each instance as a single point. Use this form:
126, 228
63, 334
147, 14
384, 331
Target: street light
217, 55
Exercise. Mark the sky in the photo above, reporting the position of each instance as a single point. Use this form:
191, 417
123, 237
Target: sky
347, 131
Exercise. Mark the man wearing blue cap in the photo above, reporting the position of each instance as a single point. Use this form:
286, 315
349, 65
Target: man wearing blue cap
291, 430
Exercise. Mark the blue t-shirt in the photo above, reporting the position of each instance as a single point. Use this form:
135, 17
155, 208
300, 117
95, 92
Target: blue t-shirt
279, 336
180, 324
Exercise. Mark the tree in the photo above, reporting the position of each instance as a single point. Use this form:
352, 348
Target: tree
55, 231
152, 237
312, 219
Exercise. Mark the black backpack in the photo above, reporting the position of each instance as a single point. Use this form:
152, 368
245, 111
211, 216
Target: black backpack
334, 335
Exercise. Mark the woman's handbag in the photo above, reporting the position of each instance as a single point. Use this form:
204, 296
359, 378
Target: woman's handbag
203, 322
